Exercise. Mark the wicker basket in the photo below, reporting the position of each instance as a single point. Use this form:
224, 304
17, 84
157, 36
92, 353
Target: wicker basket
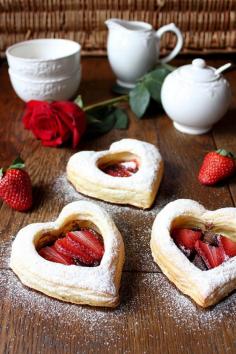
207, 25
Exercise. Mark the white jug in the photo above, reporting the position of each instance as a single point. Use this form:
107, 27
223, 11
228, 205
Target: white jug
133, 48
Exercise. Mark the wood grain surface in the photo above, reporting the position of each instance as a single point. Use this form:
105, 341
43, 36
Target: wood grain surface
153, 317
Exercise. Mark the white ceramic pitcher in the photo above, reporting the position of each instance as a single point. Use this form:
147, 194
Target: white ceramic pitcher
133, 48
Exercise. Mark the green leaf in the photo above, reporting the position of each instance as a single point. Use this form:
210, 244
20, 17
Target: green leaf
79, 101
91, 119
101, 112
122, 119
153, 81
98, 126
139, 99
154, 88
169, 67
159, 74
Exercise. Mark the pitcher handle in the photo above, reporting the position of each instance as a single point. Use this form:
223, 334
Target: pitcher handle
171, 27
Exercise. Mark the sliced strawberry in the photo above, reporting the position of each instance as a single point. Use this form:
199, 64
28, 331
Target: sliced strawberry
69, 248
121, 169
212, 256
51, 254
115, 171
228, 245
89, 242
186, 237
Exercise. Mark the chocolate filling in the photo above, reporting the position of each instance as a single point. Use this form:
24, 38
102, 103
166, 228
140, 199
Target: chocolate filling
207, 236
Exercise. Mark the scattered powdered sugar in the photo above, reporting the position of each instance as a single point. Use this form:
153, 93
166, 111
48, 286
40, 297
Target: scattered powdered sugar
89, 322
136, 231
64, 190
180, 308
139, 289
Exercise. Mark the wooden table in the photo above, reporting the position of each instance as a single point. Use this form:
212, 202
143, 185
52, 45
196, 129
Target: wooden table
153, 316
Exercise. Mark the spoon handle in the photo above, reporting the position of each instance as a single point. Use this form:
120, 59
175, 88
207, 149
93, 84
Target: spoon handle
223, 68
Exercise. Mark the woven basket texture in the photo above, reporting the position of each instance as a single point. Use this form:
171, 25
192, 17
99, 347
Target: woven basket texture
207, 25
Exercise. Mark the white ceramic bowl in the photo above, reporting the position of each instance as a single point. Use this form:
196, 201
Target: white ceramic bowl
44, 58
45, 90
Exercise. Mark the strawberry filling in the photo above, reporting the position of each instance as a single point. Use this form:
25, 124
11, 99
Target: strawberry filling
228, 245
205, 249
121, 169
82, 247
88, 243
51, 254
212, 256
186, 237
67, 247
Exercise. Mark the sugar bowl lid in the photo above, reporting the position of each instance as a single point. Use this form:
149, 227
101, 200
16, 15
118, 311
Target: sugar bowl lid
199, 71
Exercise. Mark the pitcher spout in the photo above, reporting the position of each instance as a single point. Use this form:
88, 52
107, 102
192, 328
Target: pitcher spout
113, 23
131, 26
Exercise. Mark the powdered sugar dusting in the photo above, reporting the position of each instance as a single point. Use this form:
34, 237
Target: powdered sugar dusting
138, 291
180, 308
62, 189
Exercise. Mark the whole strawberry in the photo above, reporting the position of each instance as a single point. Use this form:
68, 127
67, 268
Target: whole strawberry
216, 166
15, 186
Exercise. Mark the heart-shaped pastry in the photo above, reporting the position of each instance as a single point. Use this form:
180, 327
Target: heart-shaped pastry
129, 172
53, 257
195, 248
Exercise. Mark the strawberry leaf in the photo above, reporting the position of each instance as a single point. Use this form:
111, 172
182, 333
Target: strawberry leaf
17, 164
224, 152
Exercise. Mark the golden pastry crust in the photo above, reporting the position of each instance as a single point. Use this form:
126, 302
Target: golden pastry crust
139, 189
206, 288
95, 286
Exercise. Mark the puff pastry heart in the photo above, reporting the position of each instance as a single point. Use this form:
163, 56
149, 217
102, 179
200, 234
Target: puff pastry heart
205, 287
84, 171
96, 286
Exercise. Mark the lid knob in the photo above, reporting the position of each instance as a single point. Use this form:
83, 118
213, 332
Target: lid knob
199, 63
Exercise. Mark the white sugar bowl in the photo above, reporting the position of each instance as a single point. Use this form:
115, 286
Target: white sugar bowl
196, 96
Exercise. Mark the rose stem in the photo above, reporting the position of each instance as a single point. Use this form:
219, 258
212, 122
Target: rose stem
106, 103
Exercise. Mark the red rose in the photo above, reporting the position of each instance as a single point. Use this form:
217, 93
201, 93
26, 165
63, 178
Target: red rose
55, 123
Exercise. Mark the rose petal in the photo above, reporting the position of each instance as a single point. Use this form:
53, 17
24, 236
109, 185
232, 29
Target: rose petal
56, 142
54, 123
74, 117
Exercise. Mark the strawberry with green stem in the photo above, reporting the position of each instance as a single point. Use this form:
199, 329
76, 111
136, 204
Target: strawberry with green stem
217, 166
15, 186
